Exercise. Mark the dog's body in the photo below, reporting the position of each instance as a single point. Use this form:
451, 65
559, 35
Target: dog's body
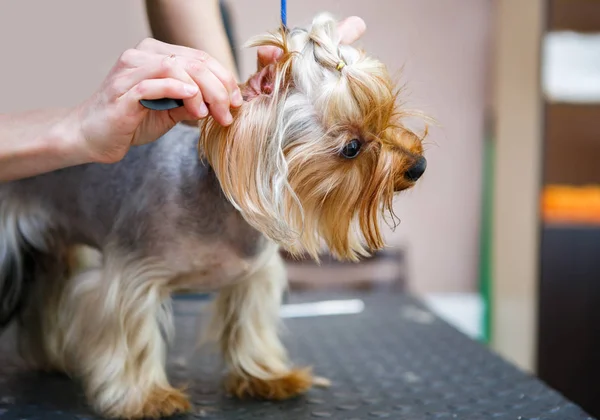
315, 153
160, 201
161, 221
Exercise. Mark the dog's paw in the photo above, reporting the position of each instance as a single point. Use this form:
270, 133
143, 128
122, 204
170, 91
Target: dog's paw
162, 403
292, 384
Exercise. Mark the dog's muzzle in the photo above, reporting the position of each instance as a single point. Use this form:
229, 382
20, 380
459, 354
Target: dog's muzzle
417, 170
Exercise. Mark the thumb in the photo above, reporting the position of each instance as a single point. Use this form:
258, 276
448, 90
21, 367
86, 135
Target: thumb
267, 55
351, 29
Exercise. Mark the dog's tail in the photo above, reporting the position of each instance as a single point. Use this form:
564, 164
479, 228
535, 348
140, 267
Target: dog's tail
23, 244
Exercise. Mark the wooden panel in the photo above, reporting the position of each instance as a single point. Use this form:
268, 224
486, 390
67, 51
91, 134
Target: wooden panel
572, 144
576, 15
569, 319
518, 137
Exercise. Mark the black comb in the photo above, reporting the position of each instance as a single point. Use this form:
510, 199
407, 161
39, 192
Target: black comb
162, 104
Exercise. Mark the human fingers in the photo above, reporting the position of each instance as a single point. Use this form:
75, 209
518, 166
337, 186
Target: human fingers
142, 65
161, 88
267, 55
181, 114
351, 29
225, 76
213, 92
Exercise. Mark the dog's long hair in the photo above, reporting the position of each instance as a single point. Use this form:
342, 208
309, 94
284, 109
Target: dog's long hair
26, 241
279, 162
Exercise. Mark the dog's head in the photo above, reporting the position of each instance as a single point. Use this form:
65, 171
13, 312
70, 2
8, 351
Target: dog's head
319, 148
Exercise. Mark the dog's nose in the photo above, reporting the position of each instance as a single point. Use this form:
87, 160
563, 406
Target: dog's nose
417, 170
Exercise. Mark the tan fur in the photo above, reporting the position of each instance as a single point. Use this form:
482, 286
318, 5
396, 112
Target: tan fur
103, 325
299, 191
293, 383
38, 343
246, 324
162, 403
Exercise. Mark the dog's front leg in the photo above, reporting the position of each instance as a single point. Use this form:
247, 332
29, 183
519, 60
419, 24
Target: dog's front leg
245, 323
113, 318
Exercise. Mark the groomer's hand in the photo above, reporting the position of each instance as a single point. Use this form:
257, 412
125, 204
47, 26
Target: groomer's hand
113, 119
350, 30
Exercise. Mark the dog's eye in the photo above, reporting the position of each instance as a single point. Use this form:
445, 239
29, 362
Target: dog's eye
351, 149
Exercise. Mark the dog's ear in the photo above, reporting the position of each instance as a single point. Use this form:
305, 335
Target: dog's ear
261, 83
249, 161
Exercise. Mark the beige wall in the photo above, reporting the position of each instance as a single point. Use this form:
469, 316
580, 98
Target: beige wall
519, 116
54, 53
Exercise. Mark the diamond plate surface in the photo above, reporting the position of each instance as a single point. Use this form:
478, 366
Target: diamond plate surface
395, 360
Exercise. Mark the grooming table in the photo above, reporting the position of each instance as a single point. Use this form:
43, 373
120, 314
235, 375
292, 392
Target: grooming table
394, 360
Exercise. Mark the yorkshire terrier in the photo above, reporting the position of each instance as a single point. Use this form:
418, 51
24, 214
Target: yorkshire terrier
313, 159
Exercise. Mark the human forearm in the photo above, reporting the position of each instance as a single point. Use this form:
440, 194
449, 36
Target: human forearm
38, 141
105, 126
192, 23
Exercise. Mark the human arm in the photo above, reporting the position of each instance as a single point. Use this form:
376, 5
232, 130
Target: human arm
106, 125
196, 24
38, 141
